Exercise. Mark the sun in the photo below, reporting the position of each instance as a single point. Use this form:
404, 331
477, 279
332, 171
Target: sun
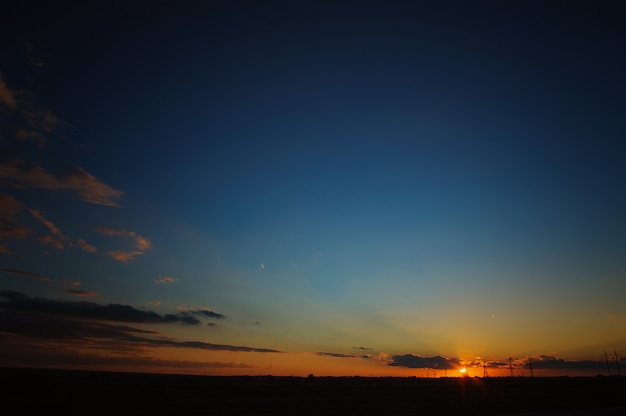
463, 371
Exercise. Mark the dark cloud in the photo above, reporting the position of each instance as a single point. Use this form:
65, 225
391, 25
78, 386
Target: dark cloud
551, 362
14, 352
335, 355
208, 314
41, 278
69, 325
363, 348
90, 310
415, 361
340, 355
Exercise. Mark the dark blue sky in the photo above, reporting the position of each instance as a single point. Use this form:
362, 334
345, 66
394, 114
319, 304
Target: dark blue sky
420, 169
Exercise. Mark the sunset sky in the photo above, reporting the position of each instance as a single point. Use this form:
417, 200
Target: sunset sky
342, 188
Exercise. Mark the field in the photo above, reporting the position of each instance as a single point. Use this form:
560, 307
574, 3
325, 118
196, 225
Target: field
30, 391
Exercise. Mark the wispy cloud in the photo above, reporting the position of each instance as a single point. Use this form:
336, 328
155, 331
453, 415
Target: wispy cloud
81, 293
7, 96
85, 246
16, 173
10, 226
335, 354
123, 256
23, 118
141, 243
56, 237
166, 279
41, 278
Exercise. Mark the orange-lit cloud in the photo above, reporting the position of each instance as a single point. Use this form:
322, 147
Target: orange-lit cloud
50, 240
90, 189
166, 279
7, 96
123, 256
56, 237
25, 120
10, 226
82, 293
140, 242
85, 246
49, 224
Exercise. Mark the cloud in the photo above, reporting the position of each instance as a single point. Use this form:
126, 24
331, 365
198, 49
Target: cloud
166, 279
209, 314
81, 293
202, 312
7, 96
415, 361
90, 189
50, 240
362, 348
10, 226
51, 227
261, 266
87, 247
335, 355
89, 310
89, 325
552, 362
140, 242
23, 119
41, 278
56, 237
124, 256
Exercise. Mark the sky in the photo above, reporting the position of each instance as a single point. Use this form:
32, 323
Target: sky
292, 188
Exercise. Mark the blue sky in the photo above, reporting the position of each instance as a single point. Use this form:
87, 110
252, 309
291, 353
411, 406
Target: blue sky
435, 179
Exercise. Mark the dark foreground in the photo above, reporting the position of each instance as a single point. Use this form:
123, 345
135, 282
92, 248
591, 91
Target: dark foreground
85, 393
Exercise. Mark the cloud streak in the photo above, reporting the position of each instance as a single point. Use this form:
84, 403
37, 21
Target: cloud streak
92, 311
95, 326
164, 280
123, 256
41, 278
141, 243
15, 173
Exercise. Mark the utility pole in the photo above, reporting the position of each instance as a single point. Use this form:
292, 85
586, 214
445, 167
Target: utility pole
608, 367
511, 366
619, 372
530, 366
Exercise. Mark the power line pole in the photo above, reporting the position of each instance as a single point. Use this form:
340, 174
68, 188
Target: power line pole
608, 367
511, 366
530, 366
619, 372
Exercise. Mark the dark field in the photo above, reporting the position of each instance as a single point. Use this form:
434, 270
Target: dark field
74, 392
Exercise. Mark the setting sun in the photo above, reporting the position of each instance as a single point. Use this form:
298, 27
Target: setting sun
463, 371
